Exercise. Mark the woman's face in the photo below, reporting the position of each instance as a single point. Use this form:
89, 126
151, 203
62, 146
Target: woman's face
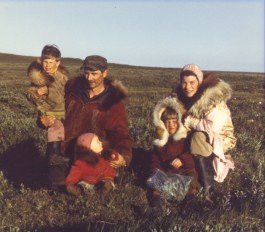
189, 85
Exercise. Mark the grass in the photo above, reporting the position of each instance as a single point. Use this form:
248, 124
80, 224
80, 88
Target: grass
26, 205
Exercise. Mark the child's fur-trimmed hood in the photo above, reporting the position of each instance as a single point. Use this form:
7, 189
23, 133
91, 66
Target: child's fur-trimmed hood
161, 106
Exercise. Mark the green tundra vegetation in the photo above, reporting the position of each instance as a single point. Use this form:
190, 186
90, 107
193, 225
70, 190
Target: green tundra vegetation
27, 205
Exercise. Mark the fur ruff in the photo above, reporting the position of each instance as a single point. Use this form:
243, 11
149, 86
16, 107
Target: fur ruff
211, 93
115, 91
159, 109
211, 97
119, 86
39, 78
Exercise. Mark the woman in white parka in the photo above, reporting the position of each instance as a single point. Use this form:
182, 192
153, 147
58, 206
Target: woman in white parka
209, 121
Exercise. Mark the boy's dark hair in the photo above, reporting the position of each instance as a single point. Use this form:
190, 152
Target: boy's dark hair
169, 113
51, 51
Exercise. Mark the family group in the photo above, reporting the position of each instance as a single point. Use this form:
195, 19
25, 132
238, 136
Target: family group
88, 138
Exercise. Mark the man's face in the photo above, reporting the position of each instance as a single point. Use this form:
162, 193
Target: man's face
95, 78
50, 65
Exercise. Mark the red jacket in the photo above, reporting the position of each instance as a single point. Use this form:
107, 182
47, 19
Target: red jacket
104, 115
81, 170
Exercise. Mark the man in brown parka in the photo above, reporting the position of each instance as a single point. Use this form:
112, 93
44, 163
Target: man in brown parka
94, 104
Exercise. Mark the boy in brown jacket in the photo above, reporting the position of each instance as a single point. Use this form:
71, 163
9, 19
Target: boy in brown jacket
48, 78
171, 152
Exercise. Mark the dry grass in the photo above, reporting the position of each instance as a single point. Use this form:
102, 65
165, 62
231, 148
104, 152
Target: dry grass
26, 205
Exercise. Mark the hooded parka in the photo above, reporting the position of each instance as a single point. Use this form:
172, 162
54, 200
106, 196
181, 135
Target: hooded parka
207, 111
170, 147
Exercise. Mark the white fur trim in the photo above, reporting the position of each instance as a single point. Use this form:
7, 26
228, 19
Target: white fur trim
159, 109
210, 98
181, 133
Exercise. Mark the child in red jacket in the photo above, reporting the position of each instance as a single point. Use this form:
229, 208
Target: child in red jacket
90, 167
171, 151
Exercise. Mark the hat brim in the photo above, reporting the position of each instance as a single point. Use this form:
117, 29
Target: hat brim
90, 68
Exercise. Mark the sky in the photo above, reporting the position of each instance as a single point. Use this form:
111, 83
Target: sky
225, 35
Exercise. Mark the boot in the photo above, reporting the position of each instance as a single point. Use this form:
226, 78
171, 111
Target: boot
104, 188
107, 187
58, 165
205, 174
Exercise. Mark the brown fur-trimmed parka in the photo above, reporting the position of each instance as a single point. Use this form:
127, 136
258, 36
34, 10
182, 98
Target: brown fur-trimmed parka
103, 115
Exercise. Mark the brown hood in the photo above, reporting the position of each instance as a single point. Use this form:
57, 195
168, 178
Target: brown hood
40, 78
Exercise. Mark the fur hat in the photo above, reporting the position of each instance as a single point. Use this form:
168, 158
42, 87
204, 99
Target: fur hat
194, 69
85, 140
95, 63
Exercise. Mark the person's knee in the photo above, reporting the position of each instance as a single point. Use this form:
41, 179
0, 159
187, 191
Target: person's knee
200, 144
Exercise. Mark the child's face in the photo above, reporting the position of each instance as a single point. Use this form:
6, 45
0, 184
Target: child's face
171, 125
50, 65
96, 145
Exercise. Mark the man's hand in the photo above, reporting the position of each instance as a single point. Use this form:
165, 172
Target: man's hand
118, 162
176, 163
47, 120
42, 90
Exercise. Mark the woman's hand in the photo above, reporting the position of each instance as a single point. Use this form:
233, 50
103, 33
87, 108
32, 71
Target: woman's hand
47, 120
176, 163
118, 162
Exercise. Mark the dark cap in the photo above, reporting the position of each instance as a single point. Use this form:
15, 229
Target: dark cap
95, 63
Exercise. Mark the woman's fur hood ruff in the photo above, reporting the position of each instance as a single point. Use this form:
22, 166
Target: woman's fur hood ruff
181, 132
39, 78
212, 92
